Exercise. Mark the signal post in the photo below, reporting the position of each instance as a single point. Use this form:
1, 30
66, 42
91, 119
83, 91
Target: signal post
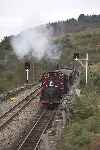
76, 58
27, 68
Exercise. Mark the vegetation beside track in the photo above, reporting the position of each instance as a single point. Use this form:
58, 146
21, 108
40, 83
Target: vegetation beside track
85, 126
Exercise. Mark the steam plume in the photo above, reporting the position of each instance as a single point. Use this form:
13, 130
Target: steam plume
37, 41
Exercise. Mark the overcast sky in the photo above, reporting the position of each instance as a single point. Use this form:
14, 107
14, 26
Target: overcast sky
18, 15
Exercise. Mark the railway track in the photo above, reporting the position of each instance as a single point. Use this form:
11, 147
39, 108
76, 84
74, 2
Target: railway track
33, 137
15, 92
11, 113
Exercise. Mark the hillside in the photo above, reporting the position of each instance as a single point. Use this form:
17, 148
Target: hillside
82, 42
82, 35
11, 69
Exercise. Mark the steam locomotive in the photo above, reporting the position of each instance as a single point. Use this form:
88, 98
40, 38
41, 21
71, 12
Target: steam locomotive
54, 85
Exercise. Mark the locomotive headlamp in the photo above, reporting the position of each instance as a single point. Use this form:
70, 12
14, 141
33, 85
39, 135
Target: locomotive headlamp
51, 83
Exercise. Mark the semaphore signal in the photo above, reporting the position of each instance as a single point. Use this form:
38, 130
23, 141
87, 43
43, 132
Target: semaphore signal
76, 58
27, 68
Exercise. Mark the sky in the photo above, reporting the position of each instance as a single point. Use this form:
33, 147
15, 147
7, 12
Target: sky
19, 15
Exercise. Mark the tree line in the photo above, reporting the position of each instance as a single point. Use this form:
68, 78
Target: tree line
74, 25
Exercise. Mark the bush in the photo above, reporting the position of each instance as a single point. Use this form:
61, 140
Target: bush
93, 80
76, 137
86, 118
85, 106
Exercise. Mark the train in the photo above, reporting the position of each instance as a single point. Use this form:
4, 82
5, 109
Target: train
54, 85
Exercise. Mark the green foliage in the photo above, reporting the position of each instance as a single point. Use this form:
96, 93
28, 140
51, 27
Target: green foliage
93, 81
92, 124
76, 137
85, 106
81, 133
85, 125
86, 119
12, 78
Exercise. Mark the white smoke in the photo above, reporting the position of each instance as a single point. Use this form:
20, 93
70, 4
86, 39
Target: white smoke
37, 41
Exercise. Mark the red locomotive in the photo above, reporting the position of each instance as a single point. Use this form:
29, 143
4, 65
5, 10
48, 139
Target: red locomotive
54, 85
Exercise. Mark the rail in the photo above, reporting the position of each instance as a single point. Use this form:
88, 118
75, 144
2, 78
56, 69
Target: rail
11, 113
31, 141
